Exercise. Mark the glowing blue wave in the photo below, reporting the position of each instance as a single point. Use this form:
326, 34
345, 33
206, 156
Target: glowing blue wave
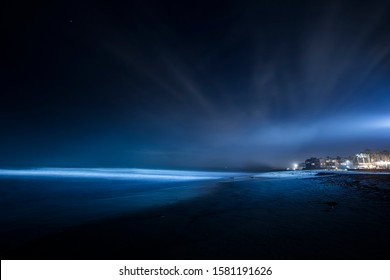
116, 173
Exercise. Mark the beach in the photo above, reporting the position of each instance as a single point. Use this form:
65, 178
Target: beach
277, 215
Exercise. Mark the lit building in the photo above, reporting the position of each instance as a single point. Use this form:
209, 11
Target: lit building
364, 160
313, 163
332, 163
346, 163
322, 163
372, 160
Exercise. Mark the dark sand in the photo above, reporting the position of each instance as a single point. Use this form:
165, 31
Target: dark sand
342, 216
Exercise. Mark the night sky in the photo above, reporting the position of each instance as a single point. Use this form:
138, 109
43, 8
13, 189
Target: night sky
192, 84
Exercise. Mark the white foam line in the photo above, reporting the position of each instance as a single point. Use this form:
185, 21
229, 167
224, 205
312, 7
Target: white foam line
110, 173
289, 174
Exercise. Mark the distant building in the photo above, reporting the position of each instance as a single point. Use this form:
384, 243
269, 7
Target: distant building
372, 160
323, 163
364, 160
313, 163
346, 163
332, 163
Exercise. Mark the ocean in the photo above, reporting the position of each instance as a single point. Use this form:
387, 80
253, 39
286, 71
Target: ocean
41, 201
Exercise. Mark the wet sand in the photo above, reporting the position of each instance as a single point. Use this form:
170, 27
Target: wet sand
339, 216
